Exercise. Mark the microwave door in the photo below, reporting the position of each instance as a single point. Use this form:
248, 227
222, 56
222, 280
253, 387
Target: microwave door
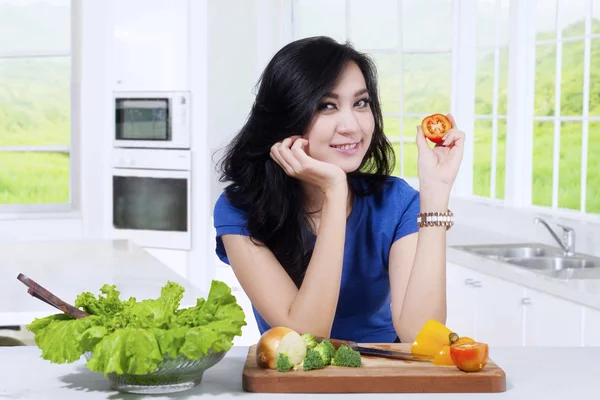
152, 207
143, 122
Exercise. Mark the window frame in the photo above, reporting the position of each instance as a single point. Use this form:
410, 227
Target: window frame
73, 206
519, 116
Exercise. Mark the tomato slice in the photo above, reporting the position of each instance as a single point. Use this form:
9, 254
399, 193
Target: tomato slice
469, 357
435, 127
464, 339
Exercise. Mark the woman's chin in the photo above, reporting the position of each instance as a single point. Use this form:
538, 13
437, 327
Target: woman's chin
349, 168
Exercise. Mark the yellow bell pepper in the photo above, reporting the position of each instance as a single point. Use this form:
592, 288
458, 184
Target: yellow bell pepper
432, 337
443, 356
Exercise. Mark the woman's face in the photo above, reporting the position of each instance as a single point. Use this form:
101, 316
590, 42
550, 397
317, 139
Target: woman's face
343, 126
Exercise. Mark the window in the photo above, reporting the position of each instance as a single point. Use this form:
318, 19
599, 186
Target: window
491, 92
414, 65
566, 126
556, 87
35, 105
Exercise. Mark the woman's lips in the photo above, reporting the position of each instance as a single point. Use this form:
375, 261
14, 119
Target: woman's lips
348, 149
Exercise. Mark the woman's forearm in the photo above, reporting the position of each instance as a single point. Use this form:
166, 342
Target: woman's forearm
313, 308
425, 296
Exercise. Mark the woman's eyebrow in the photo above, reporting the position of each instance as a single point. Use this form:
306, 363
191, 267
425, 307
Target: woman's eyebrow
335, 96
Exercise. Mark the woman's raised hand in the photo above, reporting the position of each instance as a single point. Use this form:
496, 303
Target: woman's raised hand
438, 166
290, 154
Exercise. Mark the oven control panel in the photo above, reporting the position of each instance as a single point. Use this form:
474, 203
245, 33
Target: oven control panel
172, 160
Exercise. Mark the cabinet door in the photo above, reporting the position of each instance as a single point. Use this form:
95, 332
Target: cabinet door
150, 45
499, 319
551, 321
591, 334
460, 299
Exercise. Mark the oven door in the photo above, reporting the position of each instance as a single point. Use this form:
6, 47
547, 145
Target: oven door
152, 207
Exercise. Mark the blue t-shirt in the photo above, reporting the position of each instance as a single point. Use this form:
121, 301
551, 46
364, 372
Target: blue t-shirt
363, 312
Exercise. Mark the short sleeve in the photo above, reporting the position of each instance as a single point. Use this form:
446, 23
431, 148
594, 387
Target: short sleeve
227, 220
409, 201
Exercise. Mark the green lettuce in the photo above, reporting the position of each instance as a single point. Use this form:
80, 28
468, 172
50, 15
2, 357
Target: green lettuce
135, 336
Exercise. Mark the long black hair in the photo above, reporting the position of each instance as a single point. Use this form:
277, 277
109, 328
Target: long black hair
290, 90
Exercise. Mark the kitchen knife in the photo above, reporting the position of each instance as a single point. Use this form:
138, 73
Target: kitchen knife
375, 352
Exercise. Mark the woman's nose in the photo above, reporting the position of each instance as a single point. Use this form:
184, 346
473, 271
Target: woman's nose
348, 123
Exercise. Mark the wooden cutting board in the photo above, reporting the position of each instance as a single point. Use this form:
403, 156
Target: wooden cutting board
377, 375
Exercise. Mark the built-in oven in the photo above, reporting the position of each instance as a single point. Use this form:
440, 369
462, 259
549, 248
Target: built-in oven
152, 120
151, 197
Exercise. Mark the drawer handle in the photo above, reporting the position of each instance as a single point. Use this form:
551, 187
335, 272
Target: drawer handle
476, 284
526, 301
469, 281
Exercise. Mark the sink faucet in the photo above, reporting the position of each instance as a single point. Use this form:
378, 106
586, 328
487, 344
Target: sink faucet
567, 243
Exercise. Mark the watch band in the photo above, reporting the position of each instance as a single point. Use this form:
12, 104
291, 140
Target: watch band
435, 219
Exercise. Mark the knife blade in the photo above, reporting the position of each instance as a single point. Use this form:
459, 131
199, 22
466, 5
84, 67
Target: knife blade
375, 352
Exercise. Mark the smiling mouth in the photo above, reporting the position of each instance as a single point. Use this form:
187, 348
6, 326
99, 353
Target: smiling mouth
346, 146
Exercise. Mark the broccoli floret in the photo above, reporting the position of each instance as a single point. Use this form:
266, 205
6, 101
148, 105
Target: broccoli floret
346, 357
325, 350
312, 360
283, 363
310, 340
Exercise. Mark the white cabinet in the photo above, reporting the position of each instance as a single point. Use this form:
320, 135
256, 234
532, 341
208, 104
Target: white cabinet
150, 45
502, 313
551, 321
484, 307
460, 300
591, 324
499, 319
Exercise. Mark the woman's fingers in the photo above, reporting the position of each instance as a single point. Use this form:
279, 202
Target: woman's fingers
276, 156
454, 138
282, 155
452, 121
299, 152
287, 155
421, 140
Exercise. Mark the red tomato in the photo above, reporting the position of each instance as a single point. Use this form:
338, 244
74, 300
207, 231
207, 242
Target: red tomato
435, 127
469, 357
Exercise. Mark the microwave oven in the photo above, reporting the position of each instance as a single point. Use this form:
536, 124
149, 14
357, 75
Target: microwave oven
158, 120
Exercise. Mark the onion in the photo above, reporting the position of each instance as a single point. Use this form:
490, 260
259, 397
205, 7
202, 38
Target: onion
278, 340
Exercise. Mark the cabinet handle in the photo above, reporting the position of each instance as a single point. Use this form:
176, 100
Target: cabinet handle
477, 284
526, 301
469, 281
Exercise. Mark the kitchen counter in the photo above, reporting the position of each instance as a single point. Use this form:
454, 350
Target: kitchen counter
68, 268
583, 291
532, 372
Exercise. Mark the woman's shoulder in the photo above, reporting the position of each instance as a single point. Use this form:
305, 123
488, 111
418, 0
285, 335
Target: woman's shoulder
226, 213
398, 185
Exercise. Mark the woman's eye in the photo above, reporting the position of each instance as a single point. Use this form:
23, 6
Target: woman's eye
363, 103
326, 106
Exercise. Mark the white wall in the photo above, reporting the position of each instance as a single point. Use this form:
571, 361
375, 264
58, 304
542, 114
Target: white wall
228, 41
243, 36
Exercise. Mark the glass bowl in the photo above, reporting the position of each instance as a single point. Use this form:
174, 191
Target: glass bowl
172, 375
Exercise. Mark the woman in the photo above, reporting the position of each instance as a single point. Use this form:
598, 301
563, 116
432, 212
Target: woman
321, 238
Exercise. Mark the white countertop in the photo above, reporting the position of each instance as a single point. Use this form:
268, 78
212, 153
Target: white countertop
531, 373
583, 291
68, 268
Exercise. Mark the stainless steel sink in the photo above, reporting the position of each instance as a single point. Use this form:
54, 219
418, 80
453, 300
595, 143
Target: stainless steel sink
564, 267
540, 258
555, 263
513, 251
523, 250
